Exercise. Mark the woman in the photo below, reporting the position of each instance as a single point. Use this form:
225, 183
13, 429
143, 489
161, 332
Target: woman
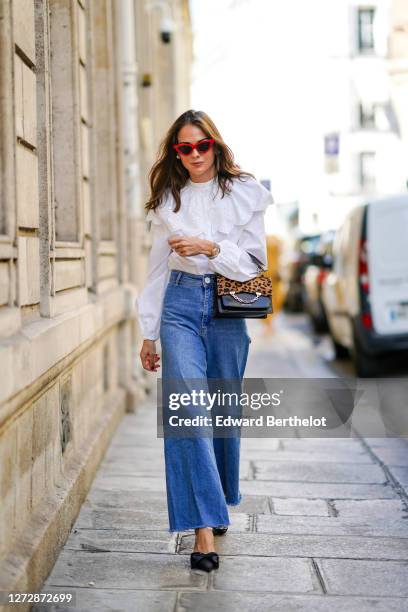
206, 216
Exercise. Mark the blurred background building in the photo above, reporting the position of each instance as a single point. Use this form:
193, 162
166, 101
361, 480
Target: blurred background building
398, 71
363, 147
306, 96
86, 92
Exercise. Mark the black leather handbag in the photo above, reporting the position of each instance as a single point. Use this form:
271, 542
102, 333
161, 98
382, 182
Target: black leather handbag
244, 300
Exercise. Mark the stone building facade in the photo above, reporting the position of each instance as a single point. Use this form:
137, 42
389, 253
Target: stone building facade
87, 89
398, 69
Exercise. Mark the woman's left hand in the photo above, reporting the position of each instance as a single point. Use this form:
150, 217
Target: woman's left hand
190, 245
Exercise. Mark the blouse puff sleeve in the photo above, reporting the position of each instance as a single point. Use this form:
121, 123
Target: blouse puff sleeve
149, 302
233, 260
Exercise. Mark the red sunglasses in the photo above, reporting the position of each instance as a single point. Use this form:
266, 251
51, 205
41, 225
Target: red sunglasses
202, 146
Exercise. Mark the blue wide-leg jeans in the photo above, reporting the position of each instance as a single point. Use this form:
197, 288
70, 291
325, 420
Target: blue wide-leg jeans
202, 473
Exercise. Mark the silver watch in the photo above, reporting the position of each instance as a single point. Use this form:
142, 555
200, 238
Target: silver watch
214, 252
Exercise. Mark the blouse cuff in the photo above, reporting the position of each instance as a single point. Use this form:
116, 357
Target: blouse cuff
233, 262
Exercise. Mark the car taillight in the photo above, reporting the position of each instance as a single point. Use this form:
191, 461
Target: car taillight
363, 266
363, 273
321, 276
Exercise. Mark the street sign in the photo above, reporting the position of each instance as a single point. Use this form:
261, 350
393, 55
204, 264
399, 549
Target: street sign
331, 152
332, 144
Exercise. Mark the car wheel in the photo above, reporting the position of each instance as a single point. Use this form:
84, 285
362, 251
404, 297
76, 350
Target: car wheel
340, 351
293, 302
323, 318
365, 365
319, 324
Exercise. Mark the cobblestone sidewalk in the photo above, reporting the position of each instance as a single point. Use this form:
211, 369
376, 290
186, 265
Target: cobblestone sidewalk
323, 524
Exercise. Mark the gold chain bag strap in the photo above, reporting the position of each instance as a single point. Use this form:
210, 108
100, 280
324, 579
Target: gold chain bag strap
250, 299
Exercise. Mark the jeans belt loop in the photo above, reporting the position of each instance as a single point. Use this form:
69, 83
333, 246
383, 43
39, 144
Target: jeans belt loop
179, 275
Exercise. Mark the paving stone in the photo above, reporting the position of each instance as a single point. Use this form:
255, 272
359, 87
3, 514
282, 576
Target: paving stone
126, 453
350, 445
266, 444
120, 540
314, 456
145, 467
349, 547
146, 419
374, 578
131, 466
134, 470
84, 518
137, 430
144, 471
300, 507
154, 501
321, 525
89, 600
217, 601
146, 434
125, 571
273, 574
318, 472
130, 483
133, 440
252, 504
103, 518
127, 441
392, 456
317, 490
388, 442
370, 508
401, 474
269, 567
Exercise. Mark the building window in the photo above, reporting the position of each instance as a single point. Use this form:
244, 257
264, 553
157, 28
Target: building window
367, 116
367, 171
366, 29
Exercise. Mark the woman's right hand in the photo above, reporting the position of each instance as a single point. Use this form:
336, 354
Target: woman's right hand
148, 356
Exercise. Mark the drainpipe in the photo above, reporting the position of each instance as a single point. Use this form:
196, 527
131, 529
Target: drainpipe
130, 108
136, 223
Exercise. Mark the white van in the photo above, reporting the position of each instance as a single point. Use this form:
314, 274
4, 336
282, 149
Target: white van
366, 293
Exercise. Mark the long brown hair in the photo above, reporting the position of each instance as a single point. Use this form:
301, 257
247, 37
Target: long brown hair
167, 174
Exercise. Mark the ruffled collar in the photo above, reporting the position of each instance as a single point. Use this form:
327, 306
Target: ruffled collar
247, 197
204, 186
234, 209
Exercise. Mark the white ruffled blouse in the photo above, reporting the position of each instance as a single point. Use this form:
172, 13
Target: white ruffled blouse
235, 222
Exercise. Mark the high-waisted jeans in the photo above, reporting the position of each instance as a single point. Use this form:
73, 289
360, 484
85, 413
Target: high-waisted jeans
202, 473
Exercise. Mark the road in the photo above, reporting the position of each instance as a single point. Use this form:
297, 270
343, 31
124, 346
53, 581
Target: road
323, 524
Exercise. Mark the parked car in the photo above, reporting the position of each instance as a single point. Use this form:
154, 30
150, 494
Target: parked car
297, 254
313, 277
366, 293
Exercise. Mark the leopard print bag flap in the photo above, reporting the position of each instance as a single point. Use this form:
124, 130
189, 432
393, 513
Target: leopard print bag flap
247, 299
